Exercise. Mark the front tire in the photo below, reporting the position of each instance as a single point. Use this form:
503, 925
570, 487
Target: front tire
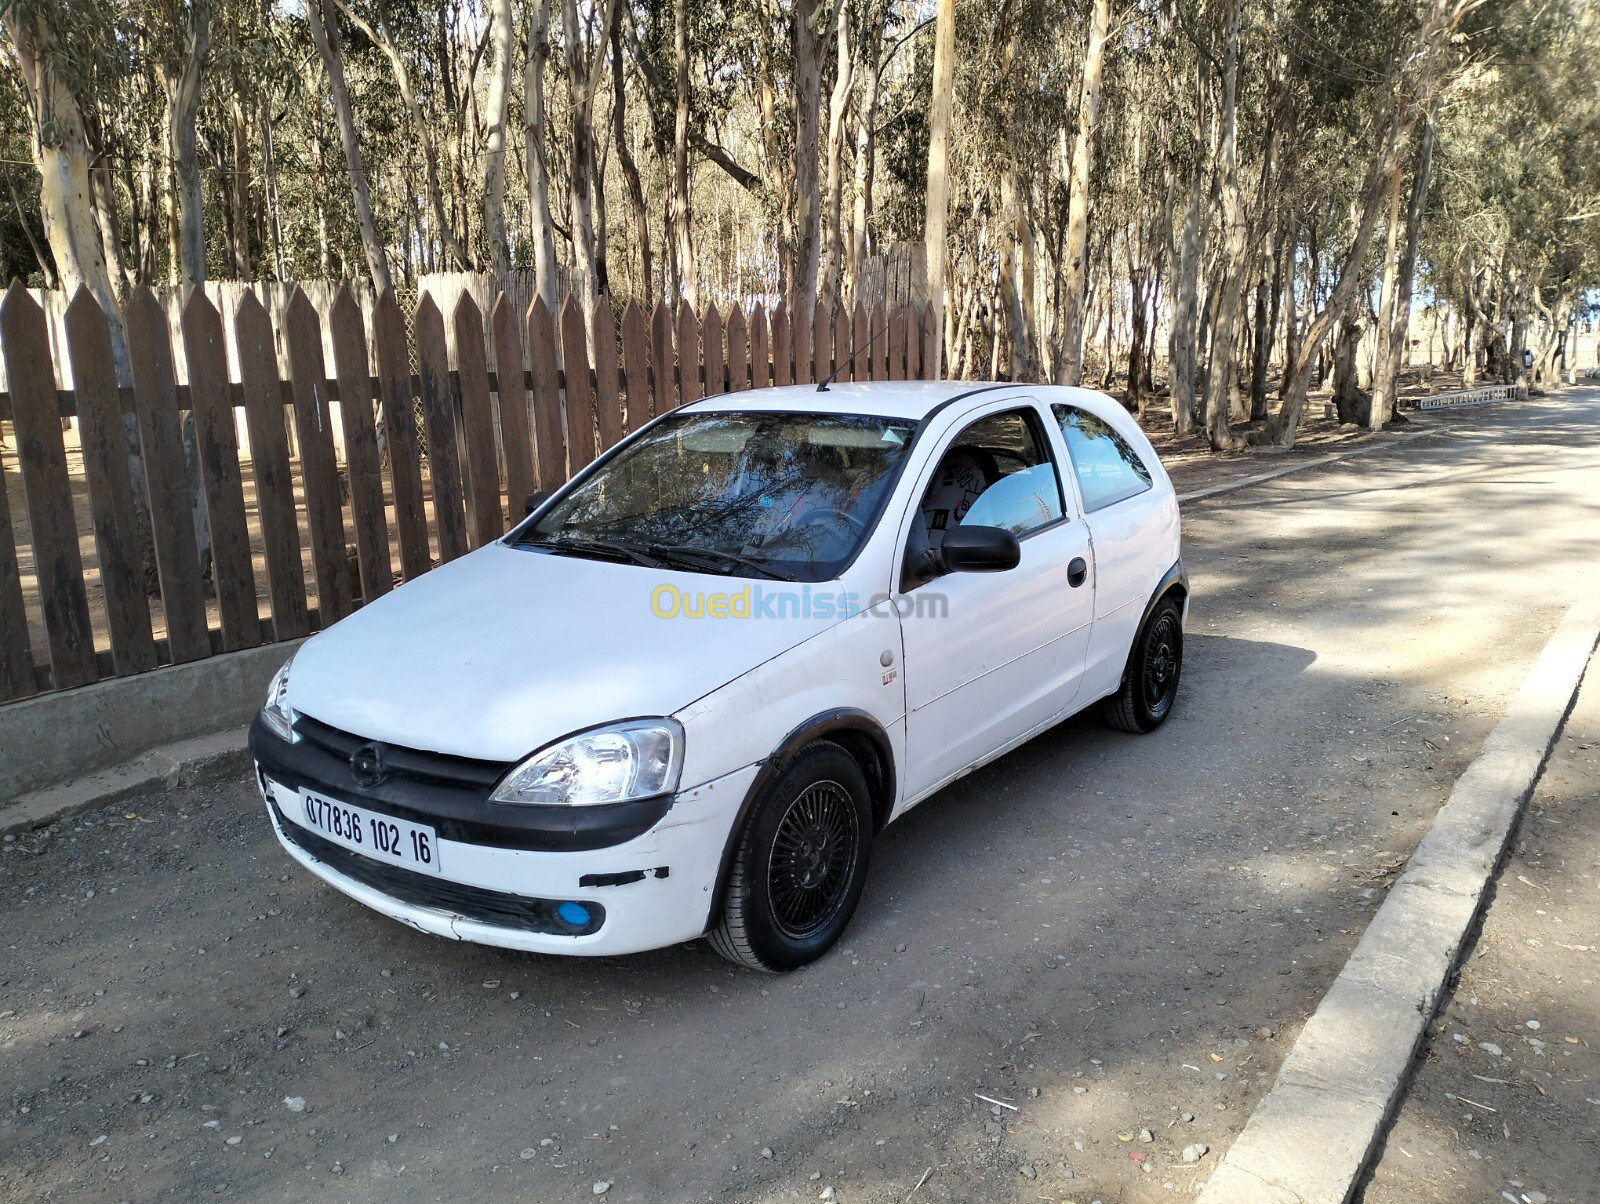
800, 864
1150, 682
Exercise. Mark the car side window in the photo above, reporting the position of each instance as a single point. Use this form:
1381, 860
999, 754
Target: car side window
1107, 467
998, 472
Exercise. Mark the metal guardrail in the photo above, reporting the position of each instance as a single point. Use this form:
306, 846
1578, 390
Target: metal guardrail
1473, 397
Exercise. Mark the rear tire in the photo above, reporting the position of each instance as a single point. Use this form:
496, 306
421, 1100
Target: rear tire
800, 864
1150, 682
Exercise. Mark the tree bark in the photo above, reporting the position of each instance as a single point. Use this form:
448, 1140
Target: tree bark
866, 145
322, 19
937, 217
1384, 327
240, 234
584, 63
1075, 287
494, 188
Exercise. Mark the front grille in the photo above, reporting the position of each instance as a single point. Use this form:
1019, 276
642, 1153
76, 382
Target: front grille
405, 764
424, 890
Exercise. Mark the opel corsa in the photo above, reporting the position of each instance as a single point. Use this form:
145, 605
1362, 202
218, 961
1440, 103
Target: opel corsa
687, 691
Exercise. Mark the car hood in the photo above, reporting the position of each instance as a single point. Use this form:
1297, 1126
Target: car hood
498, 653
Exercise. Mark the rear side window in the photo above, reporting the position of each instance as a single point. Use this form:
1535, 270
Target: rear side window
1107, 467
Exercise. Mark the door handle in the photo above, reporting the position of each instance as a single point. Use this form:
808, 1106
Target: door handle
1077, 572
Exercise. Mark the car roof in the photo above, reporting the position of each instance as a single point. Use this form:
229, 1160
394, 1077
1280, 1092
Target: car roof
888, 399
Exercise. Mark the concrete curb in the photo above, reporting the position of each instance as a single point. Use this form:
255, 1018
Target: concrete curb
1309, 1139
202, 759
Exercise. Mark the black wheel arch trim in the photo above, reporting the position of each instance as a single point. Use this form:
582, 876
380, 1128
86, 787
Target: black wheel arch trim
1173, 581
849, 722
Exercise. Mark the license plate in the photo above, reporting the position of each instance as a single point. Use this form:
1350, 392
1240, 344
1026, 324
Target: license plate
381, 837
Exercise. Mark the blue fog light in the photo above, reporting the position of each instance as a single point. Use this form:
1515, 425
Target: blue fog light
575, 914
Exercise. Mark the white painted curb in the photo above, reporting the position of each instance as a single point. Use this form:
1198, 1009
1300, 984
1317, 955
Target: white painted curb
1309, 1139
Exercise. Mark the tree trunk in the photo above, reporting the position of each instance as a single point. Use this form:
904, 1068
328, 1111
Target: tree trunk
807, 189
535, 136
494, 187
239, 236
937, 216
183, 102
584, 63
838, 102
383, 37
1384, 333
325, 33
1221, 377
866, 146
1183, 333
687, 284
1077, 275
1393, 358
630, 170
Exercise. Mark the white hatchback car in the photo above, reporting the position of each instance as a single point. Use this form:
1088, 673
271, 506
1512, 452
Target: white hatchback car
683, 695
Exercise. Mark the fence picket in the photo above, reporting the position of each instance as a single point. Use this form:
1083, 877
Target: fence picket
782, 365
155, 399
516, 435
842, 344
17, 678
269, 461
42, 456
880, 343
897, 345
232, 571
636, 365
860, 351
363, 466
661, 358
579, 401
800, 341
400, 434
548, 435
103, 442
688, 355
760, 348
319, 471
738, 350
914, 344
486, 521
607, 401
821, 342
439, 420
711, 351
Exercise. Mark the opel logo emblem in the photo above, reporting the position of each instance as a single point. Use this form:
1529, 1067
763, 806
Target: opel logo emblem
366, 765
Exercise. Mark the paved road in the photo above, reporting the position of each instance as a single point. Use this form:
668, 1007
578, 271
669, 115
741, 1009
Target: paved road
1111, 933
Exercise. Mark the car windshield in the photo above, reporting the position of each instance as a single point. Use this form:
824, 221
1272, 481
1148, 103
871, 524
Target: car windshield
757, 494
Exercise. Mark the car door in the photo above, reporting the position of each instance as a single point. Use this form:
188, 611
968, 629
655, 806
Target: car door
992, 657
1120, 508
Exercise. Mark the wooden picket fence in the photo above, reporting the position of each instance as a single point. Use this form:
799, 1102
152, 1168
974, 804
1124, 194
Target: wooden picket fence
303, 527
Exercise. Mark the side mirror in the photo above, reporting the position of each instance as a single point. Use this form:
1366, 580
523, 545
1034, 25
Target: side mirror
535, 500
980, 550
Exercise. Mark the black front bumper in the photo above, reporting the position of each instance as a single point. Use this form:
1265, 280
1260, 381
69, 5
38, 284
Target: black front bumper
451, 794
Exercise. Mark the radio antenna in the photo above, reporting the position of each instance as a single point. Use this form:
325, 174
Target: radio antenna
851, 360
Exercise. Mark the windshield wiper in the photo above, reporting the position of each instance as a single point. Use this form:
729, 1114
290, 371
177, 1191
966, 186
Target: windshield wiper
717, 562
613, 549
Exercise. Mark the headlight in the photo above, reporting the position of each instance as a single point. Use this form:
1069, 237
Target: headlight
277, 714
634, 760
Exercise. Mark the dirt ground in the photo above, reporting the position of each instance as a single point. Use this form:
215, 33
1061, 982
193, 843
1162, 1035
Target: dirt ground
1506, 1103
1116, 936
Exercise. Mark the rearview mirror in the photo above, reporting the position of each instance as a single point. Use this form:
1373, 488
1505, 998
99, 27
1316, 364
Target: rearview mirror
535, 500
980, 550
